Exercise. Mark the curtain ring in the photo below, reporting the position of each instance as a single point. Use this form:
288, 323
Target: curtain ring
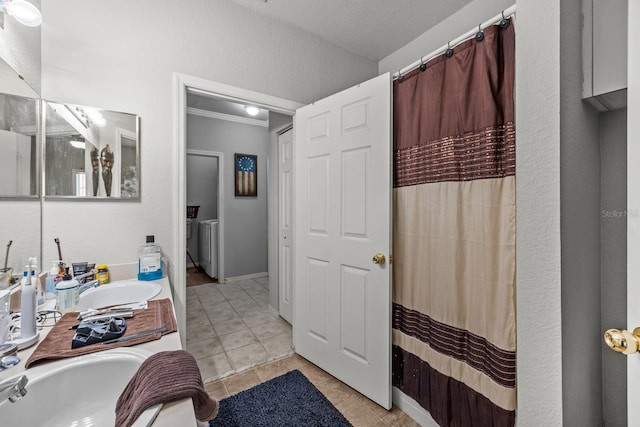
400, 77
504, 22
449, 52
480, 34
423, 66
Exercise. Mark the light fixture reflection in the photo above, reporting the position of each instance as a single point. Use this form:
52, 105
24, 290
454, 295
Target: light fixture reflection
22, 11
251, 110
78, 144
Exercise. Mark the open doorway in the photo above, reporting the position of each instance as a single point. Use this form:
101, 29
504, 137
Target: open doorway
234, 324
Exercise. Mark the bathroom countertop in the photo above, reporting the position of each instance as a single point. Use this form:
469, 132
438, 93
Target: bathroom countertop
172, 414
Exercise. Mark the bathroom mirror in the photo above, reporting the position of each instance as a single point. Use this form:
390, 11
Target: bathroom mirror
91, 153
20, 207
18, 146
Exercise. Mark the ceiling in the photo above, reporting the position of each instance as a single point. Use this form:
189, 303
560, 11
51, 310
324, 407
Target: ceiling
371, 28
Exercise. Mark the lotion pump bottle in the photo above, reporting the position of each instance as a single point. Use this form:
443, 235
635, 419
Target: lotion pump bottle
28, 307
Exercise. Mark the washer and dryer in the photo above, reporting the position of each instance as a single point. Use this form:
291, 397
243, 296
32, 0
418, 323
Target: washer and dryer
208, 246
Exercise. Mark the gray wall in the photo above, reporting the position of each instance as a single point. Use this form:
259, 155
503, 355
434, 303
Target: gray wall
245, 218
613, 242
580, 224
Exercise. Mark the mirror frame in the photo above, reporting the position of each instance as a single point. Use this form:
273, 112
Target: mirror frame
43, 118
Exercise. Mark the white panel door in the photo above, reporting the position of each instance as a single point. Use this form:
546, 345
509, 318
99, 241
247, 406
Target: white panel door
285, 217
633, 206
342, 299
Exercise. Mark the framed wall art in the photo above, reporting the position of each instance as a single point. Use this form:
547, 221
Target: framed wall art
246, 175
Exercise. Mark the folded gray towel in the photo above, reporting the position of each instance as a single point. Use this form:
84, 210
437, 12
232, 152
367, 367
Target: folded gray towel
162, 378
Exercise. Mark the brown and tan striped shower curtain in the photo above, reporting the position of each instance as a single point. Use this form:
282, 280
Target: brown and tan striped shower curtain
454, 326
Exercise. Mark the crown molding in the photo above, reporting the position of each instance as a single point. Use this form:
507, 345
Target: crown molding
228, 117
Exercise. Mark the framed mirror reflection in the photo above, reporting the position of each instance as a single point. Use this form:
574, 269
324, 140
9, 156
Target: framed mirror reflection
91, 153
19, 160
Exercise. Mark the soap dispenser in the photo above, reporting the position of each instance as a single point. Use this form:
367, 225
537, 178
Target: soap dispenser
67, 293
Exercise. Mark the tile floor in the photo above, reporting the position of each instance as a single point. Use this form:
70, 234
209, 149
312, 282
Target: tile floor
360, 411
238, 343
230, 327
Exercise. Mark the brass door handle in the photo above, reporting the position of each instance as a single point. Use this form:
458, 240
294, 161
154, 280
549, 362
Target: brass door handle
379, 259
623, 341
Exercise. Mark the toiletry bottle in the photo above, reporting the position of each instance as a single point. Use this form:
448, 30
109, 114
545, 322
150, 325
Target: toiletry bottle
28, 307
52, 280
103, 274
67, 293
35, 280
150, 261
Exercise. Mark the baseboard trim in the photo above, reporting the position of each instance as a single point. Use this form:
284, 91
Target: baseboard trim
412, 408
245, 277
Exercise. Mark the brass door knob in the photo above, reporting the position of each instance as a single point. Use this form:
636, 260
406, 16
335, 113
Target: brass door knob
379, 259
623, 341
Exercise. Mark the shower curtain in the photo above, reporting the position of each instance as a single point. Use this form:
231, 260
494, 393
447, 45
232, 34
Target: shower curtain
454, 330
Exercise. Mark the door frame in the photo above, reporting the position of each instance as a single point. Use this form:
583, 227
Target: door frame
183, 83
221, 223
278, 152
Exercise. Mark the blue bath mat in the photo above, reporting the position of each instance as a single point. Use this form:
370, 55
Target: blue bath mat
288, 400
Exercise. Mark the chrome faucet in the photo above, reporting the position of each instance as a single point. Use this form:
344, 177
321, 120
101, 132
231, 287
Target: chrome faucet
13, 389
88, 285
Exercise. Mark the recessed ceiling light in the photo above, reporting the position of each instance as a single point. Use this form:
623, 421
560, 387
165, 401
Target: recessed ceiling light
251, 110
22, 11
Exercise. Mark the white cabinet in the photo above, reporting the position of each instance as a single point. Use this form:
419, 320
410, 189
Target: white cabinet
604, 53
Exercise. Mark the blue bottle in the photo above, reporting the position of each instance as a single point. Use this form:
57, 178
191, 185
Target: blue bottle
150, 261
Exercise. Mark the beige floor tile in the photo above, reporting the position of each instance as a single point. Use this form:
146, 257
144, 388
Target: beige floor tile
205, 348
316, 375
216, 307
241, 382
249, 309
200, 333
197, 320
237, 339
273, 369
336, 391
357, 412
397, 418
214, 367
374, 407
228, 289
259, 318
230, 326
212, 299
271, 329
247, 356
241, 303
279, 345
216, 390
216, 316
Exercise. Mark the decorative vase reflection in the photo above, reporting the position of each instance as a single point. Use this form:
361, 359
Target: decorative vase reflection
106, 161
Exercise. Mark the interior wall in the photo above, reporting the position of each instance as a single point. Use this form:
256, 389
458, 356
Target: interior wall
245, 218
580, 225
613, 267
20, 47
468, 17
125, 61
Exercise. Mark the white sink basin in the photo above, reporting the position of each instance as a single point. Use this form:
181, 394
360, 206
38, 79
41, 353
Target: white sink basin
117, 293
79, 391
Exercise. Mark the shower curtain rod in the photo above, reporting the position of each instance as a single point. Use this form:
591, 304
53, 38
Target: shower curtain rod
508, 12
